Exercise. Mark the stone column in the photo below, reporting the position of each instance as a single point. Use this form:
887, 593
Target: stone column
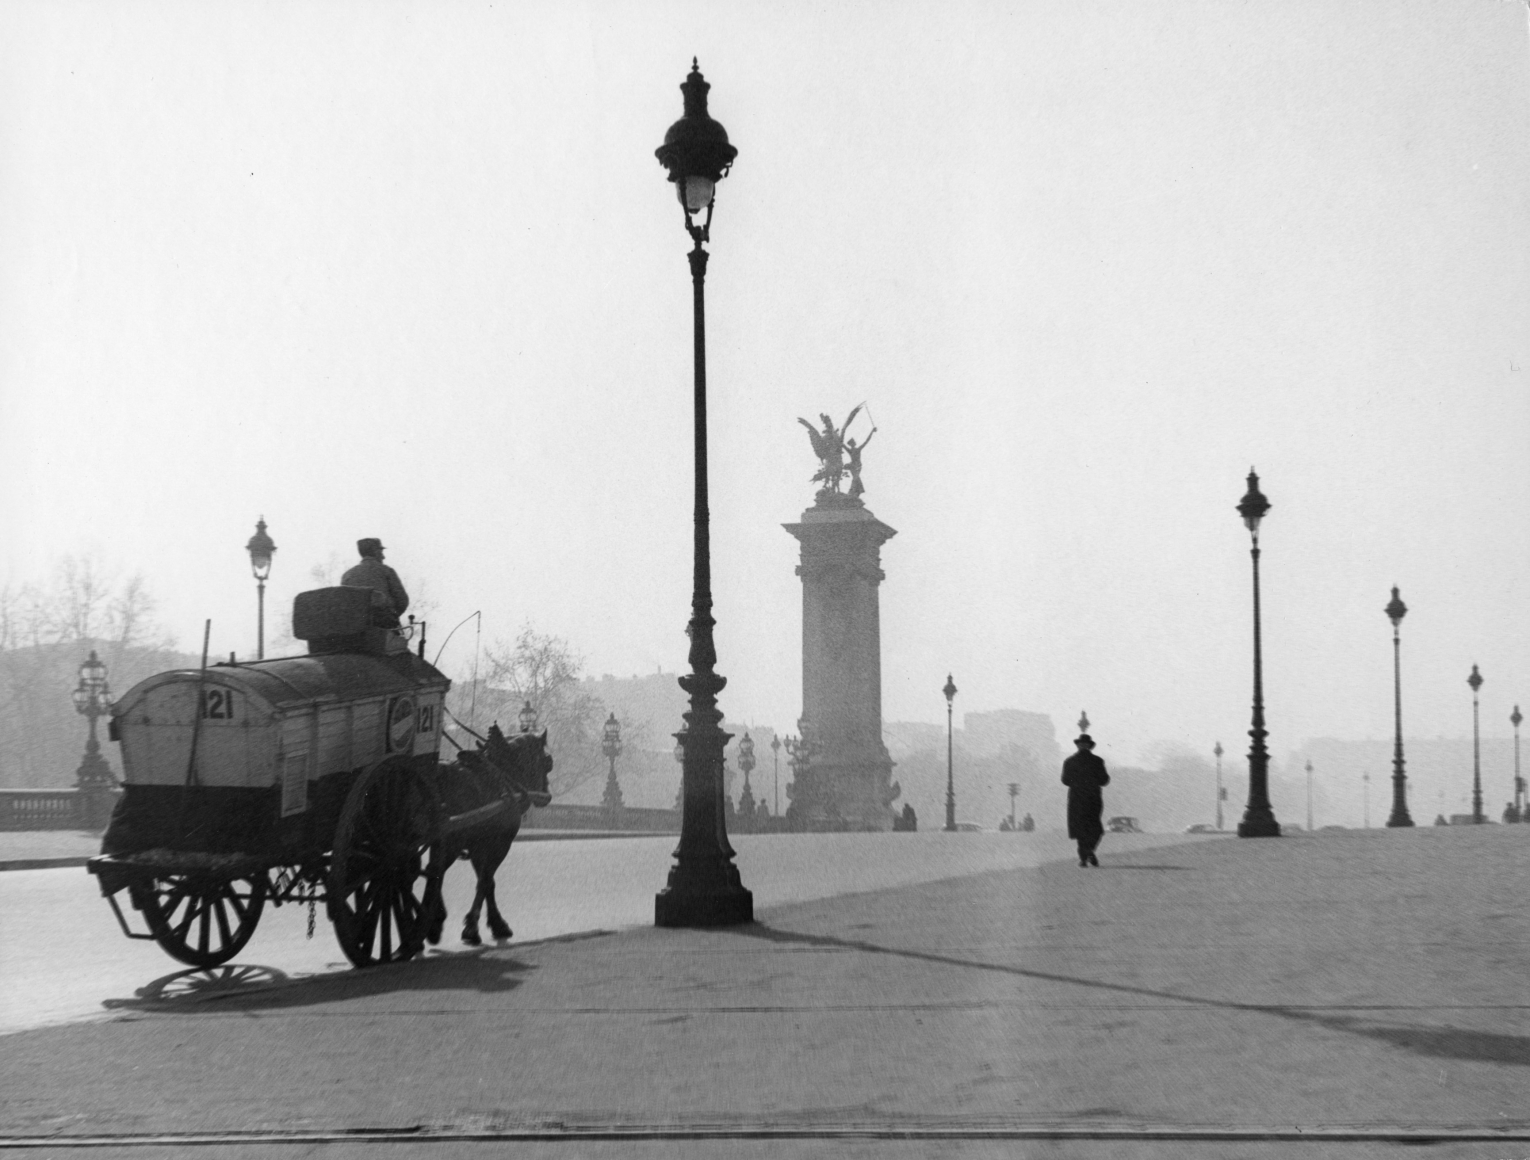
847, 785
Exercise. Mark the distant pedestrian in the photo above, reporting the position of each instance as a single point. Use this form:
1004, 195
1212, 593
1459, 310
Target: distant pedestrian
1084, 775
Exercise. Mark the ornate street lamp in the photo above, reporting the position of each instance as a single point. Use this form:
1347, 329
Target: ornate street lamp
704, 888
611, 746
1395, 611
527, 718
92, 699
1520, 805
1258, 818
1221, 793
260, 549
1366, 778
950, 692
746, 763
1478, 817
775, 753
1014, 792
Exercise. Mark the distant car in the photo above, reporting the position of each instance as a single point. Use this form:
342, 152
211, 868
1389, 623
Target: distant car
1333, 827
1123, 825
968, 828
1200, 828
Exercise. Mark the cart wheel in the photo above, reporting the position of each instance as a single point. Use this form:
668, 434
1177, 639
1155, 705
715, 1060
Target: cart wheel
377, 883
201, 919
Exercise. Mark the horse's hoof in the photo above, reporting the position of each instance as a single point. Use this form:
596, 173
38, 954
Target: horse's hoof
504, 933
471, 938
500, 930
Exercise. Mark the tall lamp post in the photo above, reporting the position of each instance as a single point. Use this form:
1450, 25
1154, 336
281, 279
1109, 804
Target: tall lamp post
1221, 793
1309, 795
950, 692
1519, 782
260, 549
611, 746
1258, 818
775, 753
704, 888
1014, 792
1395, 611
1366, 778
1478, 817
92, 699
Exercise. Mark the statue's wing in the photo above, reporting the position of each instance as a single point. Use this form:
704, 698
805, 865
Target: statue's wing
851, 419
818, 442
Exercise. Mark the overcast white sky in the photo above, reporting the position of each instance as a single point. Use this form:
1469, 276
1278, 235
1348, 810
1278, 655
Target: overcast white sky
411, 270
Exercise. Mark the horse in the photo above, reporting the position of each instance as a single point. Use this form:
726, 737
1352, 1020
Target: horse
500, 780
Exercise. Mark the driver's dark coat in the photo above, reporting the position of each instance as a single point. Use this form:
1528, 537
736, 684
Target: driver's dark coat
1084, 775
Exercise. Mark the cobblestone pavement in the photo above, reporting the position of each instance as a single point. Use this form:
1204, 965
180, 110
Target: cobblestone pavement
1362, 988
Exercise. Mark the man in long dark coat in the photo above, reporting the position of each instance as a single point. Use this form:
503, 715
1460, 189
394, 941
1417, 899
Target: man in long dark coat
1084, 775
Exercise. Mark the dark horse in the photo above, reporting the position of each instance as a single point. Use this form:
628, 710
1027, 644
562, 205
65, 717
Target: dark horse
486, 792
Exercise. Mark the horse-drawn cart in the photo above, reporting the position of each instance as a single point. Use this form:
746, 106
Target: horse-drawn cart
304, 779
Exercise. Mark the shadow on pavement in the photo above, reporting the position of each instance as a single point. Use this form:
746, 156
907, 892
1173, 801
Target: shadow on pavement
1437, 1042
254, 987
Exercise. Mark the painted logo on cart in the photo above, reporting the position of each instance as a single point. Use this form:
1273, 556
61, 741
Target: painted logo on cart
401, 725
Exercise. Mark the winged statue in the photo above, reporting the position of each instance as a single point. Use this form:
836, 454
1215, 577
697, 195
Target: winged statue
829, 446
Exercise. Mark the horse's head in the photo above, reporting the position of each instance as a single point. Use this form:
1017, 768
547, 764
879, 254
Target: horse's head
523, 759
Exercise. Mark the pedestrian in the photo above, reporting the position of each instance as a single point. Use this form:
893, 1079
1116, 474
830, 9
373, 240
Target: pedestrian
1084, 775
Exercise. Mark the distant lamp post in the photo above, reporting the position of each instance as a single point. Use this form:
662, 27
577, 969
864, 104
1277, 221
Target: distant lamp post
260, 549
746, 763
611, 746
92, 699
527, 718
1221, 793
1519, 782
1258, 818
1366, 778
1309, 795
704, 888
1014, 792
775, 753
1478, 817
1395, 611
950, 692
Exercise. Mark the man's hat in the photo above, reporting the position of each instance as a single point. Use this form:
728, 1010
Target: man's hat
368, 546
1085, 739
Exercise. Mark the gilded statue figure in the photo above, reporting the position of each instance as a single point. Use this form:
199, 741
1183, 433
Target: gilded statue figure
832, 450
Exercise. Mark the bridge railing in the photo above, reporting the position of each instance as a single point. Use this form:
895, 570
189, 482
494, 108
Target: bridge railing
55, 809
639, 819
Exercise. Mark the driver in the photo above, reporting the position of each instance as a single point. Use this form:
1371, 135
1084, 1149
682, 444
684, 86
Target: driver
389, 600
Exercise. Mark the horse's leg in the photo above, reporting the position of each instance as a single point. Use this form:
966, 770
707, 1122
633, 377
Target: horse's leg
435, 902
498, 927
470, 920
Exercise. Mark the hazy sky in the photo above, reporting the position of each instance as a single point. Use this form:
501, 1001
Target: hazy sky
411, 270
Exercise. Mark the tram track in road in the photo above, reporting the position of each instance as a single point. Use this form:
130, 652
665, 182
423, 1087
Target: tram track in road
558, 1131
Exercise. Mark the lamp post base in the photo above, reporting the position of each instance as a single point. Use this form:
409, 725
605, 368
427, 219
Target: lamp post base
1259, 824
703, 904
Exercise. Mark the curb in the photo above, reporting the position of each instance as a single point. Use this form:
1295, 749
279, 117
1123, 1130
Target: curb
40, 863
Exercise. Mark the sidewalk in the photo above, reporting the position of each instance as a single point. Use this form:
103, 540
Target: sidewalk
1349, 989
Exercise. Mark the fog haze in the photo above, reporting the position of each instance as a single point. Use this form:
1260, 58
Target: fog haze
412, 271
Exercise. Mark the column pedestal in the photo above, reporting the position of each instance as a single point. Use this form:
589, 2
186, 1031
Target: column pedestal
847, 783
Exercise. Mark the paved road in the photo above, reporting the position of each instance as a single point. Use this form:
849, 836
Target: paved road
63, 957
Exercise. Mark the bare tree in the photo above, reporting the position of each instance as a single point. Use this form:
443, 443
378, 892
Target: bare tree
546, 672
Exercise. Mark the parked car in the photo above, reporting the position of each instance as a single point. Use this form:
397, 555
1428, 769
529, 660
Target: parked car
968, 828
1123, 825
1200, 828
